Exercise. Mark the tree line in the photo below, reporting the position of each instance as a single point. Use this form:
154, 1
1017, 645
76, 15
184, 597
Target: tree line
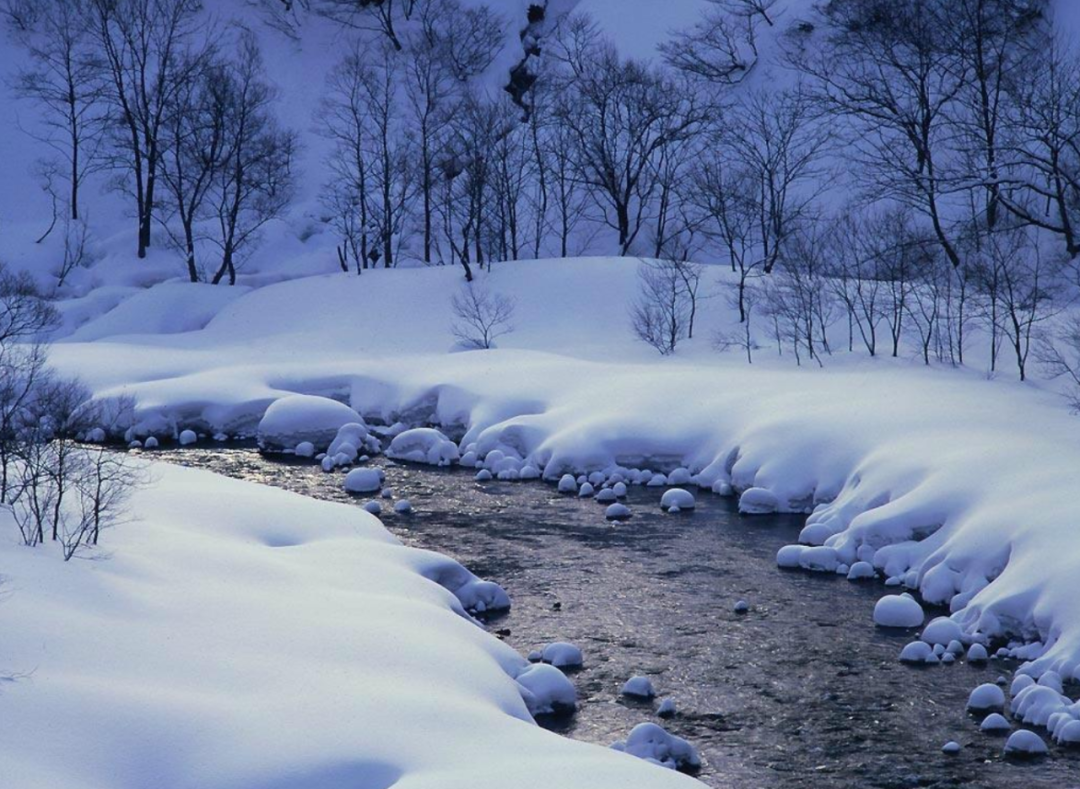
914, 173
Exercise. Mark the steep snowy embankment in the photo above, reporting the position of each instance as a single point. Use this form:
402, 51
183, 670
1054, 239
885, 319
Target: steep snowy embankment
240, 637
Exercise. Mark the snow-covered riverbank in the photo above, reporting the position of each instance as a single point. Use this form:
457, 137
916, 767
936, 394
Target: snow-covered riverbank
236, 636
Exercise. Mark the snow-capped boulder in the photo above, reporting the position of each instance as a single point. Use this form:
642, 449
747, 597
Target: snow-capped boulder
374, 507
1021, 681
951, 747
758, 501
677, 497
483, 475
423, 445
606, 496
619, 488
657, 481
898, 611
1025, 743
819, 558
917, 652
567, 484
652, 742
741, 607
294, 419
666, 708
403, 507
788, 557
364, 480
680, 476
96, 436
617, 512
151, 443
586, 490
305, 449
187, 438
562, 654
639, 688
546, 690
988, 697
942, 630
1068, 733
1036, 703
994, 723
861, 571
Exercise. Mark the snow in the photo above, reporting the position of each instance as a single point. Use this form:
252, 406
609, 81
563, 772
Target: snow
638, 687
898, 611
741, 607
652, 742
606, 496
1025, 743
861, 571
995, 723
364, 480
187, 438
758, 501
297, 419
617, 512
264, 642
586, 490
567, 484
562, 655
374, 507
977, 654
678, 498
951, 747
483, 475
423, 445
917, 652
546, 690
988, 697
403, 507
666, 708
942, 630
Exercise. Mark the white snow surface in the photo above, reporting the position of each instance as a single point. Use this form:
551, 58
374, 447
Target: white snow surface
959, 483
239, 636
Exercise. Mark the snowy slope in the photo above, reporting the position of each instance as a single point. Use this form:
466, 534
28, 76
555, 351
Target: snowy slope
240, 637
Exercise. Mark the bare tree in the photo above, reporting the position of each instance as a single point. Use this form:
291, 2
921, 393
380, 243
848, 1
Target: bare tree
621, 115
66, 80
255, 181
481, 315
382, 16
1058, 354
661, 314
722, 47
151, 48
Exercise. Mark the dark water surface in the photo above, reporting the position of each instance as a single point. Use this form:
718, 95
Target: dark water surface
802, 691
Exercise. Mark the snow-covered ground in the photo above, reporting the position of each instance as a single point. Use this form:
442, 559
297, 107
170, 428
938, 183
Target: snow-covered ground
945, 480
240, 637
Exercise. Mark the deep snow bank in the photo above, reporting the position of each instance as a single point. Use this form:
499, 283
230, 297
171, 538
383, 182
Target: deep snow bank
241, 637
957, 485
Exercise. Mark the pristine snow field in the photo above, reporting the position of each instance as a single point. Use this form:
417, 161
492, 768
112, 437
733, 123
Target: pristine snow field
239, 637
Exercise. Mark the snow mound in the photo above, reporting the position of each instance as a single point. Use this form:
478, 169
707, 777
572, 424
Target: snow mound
951, 747
861, 571
988, 697
898, 611
652, 742
295, 419
562, 654
423, 445
917, 652
994, 723
758, 501
546, 690
187, 438
1025, 743
403, 507
976, 654
364, 480
617, 512
606, 496
678, 498
666, 708
942, 630
567, 484
638, 687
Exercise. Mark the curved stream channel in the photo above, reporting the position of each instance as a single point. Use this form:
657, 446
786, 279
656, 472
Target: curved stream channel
802, 691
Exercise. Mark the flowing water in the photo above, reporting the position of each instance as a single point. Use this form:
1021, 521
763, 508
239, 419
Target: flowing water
801, 691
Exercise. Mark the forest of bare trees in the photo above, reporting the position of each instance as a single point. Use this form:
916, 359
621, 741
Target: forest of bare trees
915, 174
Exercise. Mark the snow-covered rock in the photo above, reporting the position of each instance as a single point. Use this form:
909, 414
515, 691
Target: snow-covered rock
741, 607
898, 611
942, 630
151, 443
680, 476
951, 747
758, 501
423, 445
994, 723
586, 490
638, 687
1068, 733
988, 697
617, 512
188, 437
789, 556
917, 652
483, 475
364, 480
1025, 743
305, 449
677, 497
546, 690
666, 708
96, 436
861, 571
1036, 703
649, 741
567, 484
562, 654
374, 507
296, 418
606, 496
403, 507
619, 489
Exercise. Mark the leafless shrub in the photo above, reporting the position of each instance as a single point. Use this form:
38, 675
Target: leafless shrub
481, 316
